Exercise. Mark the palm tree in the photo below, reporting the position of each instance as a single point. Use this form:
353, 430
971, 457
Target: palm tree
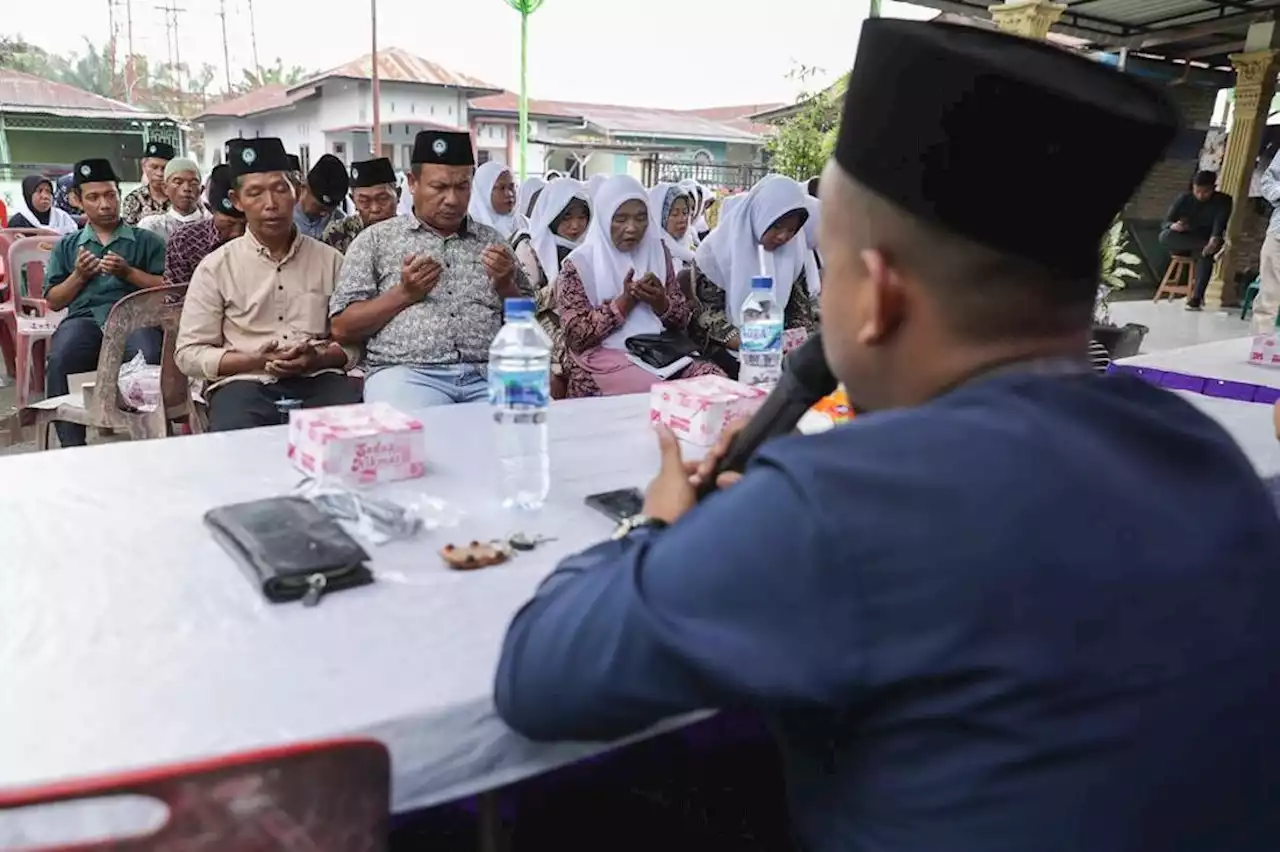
91, 71
277, 74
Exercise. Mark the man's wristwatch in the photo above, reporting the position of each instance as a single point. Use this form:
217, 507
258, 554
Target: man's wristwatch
635, 522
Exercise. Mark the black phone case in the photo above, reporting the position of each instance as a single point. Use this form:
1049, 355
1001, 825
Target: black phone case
619, 504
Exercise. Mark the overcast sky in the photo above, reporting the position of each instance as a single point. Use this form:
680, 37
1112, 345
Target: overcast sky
672, 53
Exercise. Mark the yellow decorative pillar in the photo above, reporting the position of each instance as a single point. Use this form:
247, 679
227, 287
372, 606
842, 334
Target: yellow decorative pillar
1027, 18
1255, 86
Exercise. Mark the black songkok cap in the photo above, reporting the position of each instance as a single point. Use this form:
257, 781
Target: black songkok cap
963, 128
256, 156
159, 150
443, 148
327, 180
220, 192
372, 173
295, 163
93, 171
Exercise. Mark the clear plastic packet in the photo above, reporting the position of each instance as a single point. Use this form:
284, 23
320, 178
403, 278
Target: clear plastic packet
379, 520
140, 384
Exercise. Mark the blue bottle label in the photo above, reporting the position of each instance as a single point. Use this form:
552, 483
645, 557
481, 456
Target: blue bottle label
761, 336
519, 388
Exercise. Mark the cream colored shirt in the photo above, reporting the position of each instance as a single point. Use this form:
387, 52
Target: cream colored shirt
240, 299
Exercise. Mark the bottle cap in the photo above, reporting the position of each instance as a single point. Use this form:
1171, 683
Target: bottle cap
761, 282
518, 307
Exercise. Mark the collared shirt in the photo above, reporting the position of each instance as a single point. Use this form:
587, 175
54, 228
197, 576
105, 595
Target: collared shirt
164, 224
456, 322
187, 246
240, 299
314, 227
140, 249
340, 234
139, 203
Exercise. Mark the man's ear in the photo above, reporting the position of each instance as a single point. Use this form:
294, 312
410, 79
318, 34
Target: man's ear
885, 295
234, 195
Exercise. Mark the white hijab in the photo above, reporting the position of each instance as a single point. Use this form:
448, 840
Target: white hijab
481, 207
406, 197
59, 220
699, 202
729, 256
594, 183
603, 268
524, 197
681, 249
551, 203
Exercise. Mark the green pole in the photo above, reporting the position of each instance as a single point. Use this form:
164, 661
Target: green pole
875, 9
524, 92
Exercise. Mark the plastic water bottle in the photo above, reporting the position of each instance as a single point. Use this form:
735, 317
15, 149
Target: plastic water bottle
520, 394
760, 352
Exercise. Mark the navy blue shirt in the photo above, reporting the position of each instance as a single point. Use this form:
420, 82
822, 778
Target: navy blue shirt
1038, 614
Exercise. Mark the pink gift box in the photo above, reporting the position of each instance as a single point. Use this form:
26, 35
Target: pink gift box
359, 444
1265, 351
698, 409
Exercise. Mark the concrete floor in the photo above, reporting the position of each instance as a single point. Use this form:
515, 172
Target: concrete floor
1171, 327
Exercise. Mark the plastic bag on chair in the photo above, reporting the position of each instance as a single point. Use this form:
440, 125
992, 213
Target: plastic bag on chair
140, 384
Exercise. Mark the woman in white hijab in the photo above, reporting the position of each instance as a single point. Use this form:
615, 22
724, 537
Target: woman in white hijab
669, 207
528, 195
493, 200
701, 199
594, 183
559, 222
771, 216
619, 283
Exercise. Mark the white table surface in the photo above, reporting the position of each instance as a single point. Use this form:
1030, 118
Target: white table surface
129, 639
1250, 423
1222, 359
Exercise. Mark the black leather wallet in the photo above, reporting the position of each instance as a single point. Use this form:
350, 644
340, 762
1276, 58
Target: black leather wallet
661, 350
289, 548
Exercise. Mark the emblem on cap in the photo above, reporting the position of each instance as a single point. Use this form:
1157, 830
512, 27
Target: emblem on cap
84, 170
248, 155
151, 149
355, 173
439, 146
325, 199
226, 203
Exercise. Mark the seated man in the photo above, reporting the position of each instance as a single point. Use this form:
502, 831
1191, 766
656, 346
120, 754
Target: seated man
317, 206
424, 292
1195, 225
373, 186
191, 243
150, 197
88, 272
182, 187
254, 324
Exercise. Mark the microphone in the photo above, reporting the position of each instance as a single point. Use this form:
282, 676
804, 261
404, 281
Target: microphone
805, 379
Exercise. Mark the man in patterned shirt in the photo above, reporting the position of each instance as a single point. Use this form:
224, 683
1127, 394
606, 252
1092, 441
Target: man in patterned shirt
424, 293
150, 197
373, 186
189, 244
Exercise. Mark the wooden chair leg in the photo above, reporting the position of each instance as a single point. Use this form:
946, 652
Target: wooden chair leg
43, 422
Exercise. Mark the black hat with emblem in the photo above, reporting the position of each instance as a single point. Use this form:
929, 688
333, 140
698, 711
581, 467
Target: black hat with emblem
93, 171
443, 148
372, 173
327, 180
159, 150
220, 192
986, 110
256, 156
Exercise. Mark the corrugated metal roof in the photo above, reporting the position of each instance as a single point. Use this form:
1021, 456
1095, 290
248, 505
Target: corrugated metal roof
401, 66
29, 93
273, 96
632, 121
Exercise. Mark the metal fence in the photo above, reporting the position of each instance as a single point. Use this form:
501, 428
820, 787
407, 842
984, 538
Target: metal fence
726, 177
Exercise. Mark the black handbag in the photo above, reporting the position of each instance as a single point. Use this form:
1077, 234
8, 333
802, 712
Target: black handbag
661, 350
289, 548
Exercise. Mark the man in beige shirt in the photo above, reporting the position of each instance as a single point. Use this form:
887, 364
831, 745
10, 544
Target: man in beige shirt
255, 320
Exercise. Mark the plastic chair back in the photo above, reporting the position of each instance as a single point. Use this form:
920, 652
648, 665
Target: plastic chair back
333, 796
26, 260
155, 307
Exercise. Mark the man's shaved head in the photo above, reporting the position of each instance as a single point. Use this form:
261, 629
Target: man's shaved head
898, 291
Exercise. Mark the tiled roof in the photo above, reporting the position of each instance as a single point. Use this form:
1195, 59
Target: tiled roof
20, 92
400, 66
273, 96
636, 121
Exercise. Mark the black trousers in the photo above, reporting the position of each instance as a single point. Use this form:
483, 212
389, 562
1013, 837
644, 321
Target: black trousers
247, 404
1184, 243
74, 348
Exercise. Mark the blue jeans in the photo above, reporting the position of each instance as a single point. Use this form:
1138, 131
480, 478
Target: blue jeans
74, 349
407, 388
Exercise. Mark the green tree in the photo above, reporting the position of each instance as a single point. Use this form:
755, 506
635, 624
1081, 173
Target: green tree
274, 74
804, 142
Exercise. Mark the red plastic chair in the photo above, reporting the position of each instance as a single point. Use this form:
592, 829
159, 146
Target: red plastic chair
316, 797
25, 321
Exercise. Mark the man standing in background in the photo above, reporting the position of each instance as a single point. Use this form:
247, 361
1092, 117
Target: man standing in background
150, 197
1267, 301
1195, 226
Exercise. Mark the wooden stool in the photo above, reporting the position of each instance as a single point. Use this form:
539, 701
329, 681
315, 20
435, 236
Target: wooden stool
1170, 285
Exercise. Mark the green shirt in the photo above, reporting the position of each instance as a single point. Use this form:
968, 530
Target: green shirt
140, 249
